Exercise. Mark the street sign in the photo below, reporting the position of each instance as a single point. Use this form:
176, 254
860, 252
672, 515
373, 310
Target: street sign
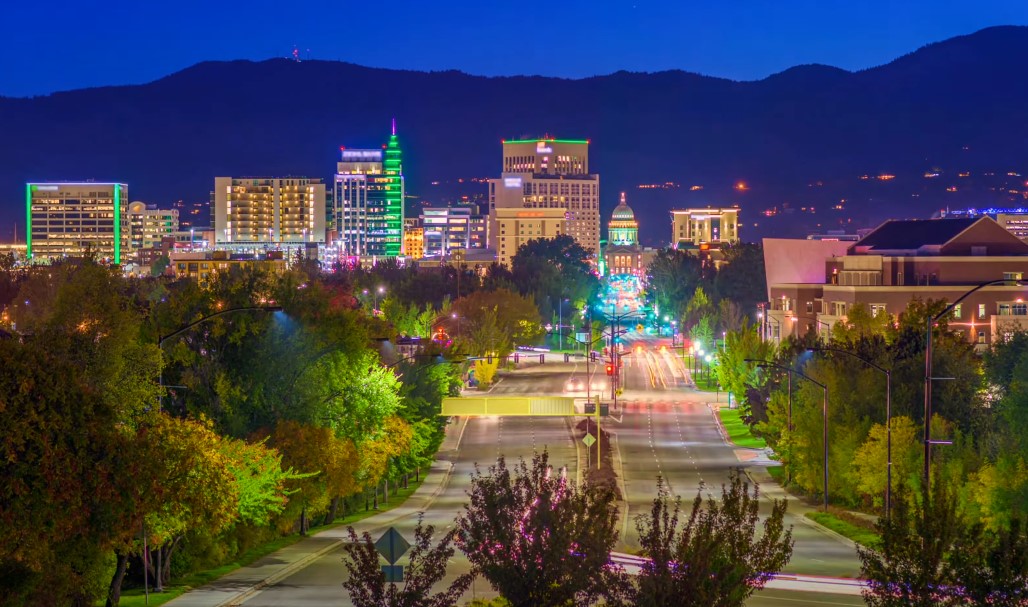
392, 545
590, 409
589, 440
393, 573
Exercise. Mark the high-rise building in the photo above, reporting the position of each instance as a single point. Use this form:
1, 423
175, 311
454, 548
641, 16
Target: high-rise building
71, 219
148, 225
515, 227
549, 174
369, 194
257, 211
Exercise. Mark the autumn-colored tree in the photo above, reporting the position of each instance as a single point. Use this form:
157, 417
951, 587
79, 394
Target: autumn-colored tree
485, 371
367, 584
328, 467
868, 473
492, 322
717, 557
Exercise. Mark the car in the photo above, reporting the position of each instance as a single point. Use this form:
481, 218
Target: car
574, 384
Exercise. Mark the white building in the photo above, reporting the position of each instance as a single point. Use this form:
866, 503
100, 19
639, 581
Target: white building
148, 225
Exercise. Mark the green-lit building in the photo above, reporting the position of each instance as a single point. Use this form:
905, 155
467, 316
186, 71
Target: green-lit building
368, 202
73, 219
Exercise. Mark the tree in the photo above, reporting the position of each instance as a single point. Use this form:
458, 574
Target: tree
367, 584
910, 568
485, 371
732, 370
869, 474
537, 537
741, 278
673, 276
492, 322
551, 269
860, 324
992, 568
716, 559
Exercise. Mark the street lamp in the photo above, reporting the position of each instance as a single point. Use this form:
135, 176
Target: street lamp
708, 358
824, 413
928, 371
888, 419
378, 292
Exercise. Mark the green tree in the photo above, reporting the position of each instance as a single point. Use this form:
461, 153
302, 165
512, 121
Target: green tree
741, 278
492, 322
717, 557
868, 473
910, 567
672, 277
366, 583
537, 537
861, 324
551, 269
732, 370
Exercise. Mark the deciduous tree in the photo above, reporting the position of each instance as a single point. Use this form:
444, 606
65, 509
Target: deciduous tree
717, 557
537, 537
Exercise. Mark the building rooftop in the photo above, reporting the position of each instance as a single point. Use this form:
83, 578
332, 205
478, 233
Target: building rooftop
897, 234
623, 212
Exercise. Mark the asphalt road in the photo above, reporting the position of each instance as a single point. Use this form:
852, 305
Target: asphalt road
666, 430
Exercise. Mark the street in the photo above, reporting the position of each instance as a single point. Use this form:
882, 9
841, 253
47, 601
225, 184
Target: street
665, 430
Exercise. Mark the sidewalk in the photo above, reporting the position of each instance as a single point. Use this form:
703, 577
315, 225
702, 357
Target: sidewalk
239, 585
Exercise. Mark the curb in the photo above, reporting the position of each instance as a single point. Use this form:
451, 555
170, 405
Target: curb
802, 517
246, 594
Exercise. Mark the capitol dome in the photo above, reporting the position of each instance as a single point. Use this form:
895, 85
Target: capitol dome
623, 212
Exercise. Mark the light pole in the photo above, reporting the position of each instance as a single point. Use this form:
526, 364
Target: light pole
928, 371
378, 292
457, 317
888, 419
824, 413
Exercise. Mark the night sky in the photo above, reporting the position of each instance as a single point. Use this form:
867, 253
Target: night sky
49, 45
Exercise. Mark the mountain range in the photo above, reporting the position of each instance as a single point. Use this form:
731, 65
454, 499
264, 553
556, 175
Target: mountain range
807, 149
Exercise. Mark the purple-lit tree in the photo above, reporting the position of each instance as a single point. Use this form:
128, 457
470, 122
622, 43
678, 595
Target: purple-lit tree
538, 538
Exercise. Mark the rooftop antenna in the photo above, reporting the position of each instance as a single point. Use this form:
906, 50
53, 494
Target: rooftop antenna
394, 126
296, 54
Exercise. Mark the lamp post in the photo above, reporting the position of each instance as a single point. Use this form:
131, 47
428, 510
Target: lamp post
378, 291
824, 413
928, 378
888, 419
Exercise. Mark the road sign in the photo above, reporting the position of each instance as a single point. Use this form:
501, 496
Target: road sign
392, 545
393, 573
590, 409
589, 440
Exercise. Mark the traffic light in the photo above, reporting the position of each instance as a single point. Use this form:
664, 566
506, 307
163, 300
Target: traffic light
610, 369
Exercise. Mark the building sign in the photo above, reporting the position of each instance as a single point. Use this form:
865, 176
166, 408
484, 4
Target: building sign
362, 155
541, 147
512, 182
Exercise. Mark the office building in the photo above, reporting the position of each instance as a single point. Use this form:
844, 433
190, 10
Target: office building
148, 225
369, 194
202, 267
453, 227
549, 174
73, 219
814, 284
515, 227
1015, 223
257, 212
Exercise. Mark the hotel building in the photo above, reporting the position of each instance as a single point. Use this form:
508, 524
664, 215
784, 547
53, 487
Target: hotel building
71, 219
549, 174
266, 211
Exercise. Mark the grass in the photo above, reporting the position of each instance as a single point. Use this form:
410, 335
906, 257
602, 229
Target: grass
135, 597
738, 432
858, 533
706, 384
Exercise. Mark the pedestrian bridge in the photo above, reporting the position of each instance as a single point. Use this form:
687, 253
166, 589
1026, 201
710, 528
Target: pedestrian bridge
559, 406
